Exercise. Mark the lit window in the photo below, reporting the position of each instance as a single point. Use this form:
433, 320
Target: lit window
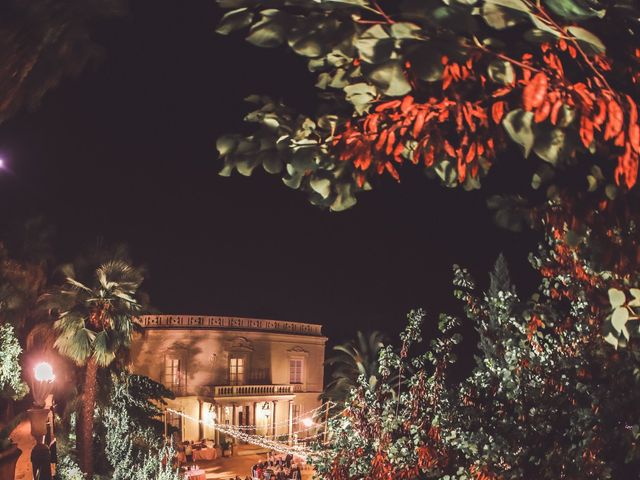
236, 371
295, 370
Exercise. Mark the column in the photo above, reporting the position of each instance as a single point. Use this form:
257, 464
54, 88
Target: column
233, 414
254, 418
200, 420
217, 420
290, 423
273, 420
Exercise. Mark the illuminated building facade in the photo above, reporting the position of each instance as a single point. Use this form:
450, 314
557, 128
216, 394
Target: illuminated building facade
259, 375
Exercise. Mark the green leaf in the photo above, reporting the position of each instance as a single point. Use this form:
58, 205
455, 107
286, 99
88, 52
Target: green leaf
552, 145
360, 95
388, 77
500, 14
501, 72
406, 30
574, 9
375, 45
635, 292
517, 123
611, 339
619, 318
616, 298
269, 31
322, 186
587, 39
234, 20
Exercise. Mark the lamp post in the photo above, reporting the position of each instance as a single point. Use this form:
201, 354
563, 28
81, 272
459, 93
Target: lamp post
38, 415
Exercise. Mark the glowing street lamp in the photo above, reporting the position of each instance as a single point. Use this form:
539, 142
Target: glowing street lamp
42, 387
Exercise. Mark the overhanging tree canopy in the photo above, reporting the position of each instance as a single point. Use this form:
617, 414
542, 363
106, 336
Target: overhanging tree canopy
444, 85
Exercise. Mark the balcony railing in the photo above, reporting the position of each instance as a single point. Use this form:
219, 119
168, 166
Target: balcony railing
246, 390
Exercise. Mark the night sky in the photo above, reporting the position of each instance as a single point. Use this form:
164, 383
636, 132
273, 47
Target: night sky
127, 152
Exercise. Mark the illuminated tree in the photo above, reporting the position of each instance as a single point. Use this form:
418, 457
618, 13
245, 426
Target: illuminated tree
544, 399
95, 324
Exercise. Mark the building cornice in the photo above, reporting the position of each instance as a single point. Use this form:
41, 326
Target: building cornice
209, 322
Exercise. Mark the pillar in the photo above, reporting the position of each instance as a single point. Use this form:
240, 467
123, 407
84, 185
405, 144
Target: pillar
217, 420
200, 420
290, 423
255, 428
273, 420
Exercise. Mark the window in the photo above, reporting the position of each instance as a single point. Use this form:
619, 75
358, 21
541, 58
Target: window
172, 373
236, 370
295, 370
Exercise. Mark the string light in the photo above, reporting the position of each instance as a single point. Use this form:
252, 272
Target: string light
258, 440
303, 415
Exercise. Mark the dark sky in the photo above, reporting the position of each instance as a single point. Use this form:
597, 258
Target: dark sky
127, 152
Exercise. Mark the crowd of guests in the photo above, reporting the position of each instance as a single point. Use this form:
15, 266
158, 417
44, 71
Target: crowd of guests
276, 467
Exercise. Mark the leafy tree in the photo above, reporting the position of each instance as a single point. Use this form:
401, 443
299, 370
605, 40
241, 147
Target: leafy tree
134, 443
351, 360
544, 399
446, 86
11, 383
42, 41
95, 325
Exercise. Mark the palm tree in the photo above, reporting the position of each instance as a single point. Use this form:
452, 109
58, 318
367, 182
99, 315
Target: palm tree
354, 358
95, 323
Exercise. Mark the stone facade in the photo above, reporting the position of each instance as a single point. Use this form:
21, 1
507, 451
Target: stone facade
259, 374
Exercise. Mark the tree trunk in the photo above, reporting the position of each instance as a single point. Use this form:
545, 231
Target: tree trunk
86, 418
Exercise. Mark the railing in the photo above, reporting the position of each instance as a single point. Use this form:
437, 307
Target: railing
236, 323
246, 390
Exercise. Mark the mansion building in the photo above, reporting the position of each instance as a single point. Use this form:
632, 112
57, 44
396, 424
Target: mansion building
259, 375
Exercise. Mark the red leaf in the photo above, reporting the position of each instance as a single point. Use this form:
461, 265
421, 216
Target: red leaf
601, 116
406, 103
543, 112
397, 152
634, 137
633, 111
391, 140
391, 169
586, 131
462, 170
449, 149
616, 119
555, 110
381, 140
429, 157
497, 111
419, 123
471, 154
467, 116
387, 105
535, 92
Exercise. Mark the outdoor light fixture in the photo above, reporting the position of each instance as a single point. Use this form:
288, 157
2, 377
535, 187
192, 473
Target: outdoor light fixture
42, 387
307, 422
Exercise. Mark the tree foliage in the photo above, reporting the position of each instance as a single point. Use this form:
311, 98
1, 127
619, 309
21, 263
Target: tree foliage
42, 41
352, 360
545, 399
446, 86
11, 383
134, 445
